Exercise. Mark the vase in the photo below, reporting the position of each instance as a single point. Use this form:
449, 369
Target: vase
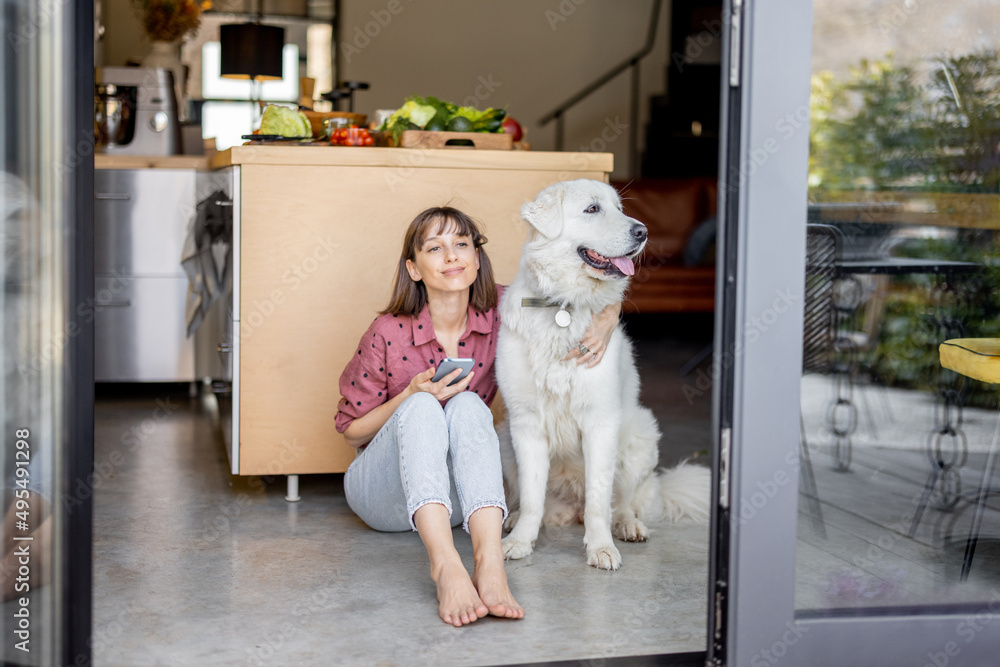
167, 55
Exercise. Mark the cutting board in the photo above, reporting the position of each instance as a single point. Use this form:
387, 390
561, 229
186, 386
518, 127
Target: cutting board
481, 140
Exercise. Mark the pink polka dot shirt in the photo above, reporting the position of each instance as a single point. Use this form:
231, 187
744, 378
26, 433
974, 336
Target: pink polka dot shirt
397, 347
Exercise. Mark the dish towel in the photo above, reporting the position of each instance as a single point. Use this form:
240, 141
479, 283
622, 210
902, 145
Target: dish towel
207, 252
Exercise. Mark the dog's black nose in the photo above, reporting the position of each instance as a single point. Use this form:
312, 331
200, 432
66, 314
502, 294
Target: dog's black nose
639, 231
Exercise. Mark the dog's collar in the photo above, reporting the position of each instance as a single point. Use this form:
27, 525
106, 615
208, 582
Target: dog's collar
535, 302
563, 318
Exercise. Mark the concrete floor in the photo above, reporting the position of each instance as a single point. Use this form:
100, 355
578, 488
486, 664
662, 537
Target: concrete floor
193, 566
196, 567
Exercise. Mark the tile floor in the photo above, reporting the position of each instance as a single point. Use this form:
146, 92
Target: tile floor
193, 566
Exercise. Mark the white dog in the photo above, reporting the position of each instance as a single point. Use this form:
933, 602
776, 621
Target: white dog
579, 443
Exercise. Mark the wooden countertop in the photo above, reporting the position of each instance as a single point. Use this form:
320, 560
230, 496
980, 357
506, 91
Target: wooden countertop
197, 162
402, 158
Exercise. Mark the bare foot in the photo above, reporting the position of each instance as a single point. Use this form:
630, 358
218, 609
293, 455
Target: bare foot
458, 602
490, 580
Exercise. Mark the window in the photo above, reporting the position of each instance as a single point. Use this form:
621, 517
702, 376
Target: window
227, 119
224, 103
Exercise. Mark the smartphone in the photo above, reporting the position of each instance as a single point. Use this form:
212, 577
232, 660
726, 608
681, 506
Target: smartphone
449, 365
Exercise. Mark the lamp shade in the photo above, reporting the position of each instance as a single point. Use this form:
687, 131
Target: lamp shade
251, 51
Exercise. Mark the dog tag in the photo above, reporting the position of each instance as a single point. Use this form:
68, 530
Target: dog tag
562, 318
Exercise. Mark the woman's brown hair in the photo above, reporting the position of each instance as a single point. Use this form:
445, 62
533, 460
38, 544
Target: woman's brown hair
408, 296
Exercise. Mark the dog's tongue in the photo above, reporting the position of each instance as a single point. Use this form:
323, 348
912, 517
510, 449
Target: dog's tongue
624, 265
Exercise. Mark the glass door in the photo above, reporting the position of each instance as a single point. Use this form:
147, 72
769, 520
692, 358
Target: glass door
46, 405
858, 520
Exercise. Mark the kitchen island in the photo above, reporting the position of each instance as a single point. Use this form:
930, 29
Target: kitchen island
317, 236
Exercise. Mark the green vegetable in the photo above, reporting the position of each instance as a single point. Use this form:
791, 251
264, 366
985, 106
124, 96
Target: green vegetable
491, 121
430, 113
460, 124
285, 122
471, 113
436, 125
445, 109
440, 120
418, 114
487, 120
415, 114
493, 125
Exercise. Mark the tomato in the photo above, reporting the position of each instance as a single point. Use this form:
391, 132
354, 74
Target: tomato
351, 136
511, 126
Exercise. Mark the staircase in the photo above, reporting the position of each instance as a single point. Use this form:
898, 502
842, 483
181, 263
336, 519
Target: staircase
682, 137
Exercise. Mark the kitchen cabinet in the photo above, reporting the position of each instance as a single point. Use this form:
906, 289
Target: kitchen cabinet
317, 235
141, 217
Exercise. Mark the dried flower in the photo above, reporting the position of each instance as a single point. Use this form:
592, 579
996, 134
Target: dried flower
170, 20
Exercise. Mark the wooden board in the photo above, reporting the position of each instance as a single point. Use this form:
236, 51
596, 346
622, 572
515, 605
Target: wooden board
481, 140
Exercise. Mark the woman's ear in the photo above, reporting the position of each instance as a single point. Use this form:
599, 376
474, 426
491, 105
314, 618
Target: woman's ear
411, 268
477, 259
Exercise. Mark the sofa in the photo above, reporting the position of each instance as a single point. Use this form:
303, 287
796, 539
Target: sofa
676, 272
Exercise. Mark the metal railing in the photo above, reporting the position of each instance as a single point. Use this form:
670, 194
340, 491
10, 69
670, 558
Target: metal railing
631, 62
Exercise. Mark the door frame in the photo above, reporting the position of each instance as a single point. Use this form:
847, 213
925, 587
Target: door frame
763, 200
76, 539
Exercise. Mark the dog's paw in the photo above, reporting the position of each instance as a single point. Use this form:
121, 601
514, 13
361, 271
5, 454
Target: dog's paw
604, 558
515, 549
630, 530
511, 520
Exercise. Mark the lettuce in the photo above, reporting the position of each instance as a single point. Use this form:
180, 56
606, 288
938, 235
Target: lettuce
285, 122
413, 111
418, 111
472, 113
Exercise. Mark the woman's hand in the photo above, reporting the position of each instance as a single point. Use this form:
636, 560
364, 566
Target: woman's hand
363, 429
595, 340
440, 389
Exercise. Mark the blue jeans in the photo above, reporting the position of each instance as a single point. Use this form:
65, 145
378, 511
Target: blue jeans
426, 454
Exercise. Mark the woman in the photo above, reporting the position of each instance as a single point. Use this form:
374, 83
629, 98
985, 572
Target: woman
429, 457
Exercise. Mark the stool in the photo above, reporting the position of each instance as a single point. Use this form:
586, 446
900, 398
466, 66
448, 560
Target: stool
977, 358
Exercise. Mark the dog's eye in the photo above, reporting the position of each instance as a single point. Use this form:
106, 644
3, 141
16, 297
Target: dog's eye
593, 208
